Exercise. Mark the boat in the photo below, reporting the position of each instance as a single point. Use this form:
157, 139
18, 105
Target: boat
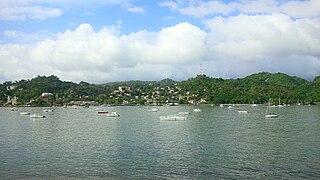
279, 105
47, 110
175, 117
75, 107
243, 112
102, 112
37, 116
153, 110
197, 110
253, 104
183, 113
112, 114
269, 114
24, 113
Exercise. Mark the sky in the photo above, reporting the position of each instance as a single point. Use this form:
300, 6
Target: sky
100, 41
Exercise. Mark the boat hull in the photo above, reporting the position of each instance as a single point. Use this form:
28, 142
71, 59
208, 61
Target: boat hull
37, 116
102, 112
271, 116
173, 118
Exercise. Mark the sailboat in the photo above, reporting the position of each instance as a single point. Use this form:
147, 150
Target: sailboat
268, 114
298, 103
279, 105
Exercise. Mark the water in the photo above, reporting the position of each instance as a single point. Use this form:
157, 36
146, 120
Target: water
218, 143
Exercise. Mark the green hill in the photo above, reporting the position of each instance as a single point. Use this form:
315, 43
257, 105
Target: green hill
256, 88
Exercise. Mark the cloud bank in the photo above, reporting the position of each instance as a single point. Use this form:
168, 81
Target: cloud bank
232, 46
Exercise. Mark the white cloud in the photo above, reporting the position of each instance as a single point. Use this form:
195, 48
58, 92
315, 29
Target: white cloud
201, 8
231, 47
135, 9
302, 8
17, 10
198, 8
22, 37
256, 7
83, 53
169, 4
265, 43
28, 12
173, 45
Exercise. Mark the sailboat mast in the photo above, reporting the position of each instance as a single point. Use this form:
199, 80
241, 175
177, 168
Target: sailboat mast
268, 107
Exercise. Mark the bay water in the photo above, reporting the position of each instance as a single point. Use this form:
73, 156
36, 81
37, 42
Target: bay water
217, 143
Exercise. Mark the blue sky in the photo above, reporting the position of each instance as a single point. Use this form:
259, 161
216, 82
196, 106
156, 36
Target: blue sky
115, 40
148, 15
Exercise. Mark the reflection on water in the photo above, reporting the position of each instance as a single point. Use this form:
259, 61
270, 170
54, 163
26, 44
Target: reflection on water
216, 143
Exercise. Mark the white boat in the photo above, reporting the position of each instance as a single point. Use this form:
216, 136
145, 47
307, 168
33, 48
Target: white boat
175, 117
243, 112
24, 113
183, 113
269, 114
47, 110
280, 105
112, 114
153, 110
197, 110
221, 105
37, 116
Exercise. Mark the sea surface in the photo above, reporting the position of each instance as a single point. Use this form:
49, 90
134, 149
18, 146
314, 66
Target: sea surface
217, 143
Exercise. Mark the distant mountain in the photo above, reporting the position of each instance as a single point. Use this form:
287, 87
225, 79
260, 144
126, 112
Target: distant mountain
166, 81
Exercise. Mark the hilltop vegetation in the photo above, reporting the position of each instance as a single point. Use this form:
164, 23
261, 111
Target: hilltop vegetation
257, 88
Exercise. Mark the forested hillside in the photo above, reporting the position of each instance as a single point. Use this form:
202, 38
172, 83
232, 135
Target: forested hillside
255, 88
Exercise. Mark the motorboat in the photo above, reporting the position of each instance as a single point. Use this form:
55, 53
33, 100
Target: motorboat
24, 113
112, 114
103, 112
175, 117
197, 110
271, 115
184, 113
153, 110
47, 110
37, 116
243, 112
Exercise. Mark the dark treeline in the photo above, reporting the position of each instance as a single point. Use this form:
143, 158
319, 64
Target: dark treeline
257, 88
